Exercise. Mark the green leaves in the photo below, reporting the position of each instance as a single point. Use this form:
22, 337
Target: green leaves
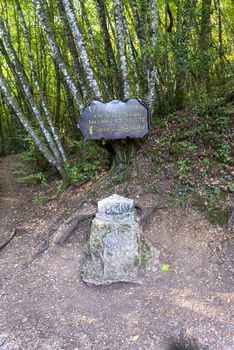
231, 187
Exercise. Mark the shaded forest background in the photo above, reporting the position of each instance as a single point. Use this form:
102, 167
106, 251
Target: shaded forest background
56, 55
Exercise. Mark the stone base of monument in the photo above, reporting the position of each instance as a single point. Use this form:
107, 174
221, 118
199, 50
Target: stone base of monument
116, 250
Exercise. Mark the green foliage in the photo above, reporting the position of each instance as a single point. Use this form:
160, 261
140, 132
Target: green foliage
153, 187
213, 202
231, 187
187, 48
195, 69
182, 191
32, 155
188, 146
222, 153
88, 160
41, 199
220, 216
198, 153
175, 151
156, 157
83, 170
31, 168
183, 168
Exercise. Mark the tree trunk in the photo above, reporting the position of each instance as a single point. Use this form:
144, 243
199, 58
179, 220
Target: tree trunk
121, 152
115, 80
205, 38
220, 40
77, 34
118, 6
58, 163
2, 138
57, 54
82, 83
58, 95
183, 29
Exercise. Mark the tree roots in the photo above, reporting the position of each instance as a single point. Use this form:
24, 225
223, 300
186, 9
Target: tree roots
9, 239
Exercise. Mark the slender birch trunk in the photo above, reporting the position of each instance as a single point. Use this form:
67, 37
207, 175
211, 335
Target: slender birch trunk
205, 39
57, 54
37, 84
25, 122
111, 64
96, 55
118, 6
136, 17
153, 75
220, 37
82, 82
57, 107
143, 25
82, 48
169, 21
27, 90
132, 60
29, 128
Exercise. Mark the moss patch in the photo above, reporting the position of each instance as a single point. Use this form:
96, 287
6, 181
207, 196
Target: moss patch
220, 216
175, 151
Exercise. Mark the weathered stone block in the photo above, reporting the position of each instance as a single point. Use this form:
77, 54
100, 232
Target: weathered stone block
117, 250
116, 207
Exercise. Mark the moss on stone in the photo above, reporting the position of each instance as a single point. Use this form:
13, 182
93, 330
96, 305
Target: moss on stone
145, 252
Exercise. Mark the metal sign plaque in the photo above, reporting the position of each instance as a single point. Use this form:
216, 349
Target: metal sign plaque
115, 120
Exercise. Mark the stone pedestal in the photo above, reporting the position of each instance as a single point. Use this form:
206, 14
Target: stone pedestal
117, 250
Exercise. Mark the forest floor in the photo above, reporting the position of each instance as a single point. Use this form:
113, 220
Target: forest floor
45, 305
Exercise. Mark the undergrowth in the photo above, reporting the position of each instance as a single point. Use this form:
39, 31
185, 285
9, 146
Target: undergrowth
197, 147
194, 147
32, 165
86, 162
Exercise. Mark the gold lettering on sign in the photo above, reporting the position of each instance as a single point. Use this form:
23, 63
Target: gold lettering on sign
90, 130
125, 128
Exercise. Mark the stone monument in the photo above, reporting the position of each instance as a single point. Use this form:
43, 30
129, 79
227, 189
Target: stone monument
116, 250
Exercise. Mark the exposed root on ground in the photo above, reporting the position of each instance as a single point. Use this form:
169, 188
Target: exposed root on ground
9, 239
63, 217
74, 216
71, 229
147, 213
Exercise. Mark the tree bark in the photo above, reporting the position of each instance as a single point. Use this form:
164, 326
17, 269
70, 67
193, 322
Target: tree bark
39, 87
28, 91
153, 74
117, 84
57, 54
82, 83
82, 48
98, 62
205, 39
121, 152
119, 10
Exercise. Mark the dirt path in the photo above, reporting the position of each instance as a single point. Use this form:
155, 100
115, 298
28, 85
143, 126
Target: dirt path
12, 195
47, 307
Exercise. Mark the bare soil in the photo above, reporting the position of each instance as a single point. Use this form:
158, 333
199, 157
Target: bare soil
45, 305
